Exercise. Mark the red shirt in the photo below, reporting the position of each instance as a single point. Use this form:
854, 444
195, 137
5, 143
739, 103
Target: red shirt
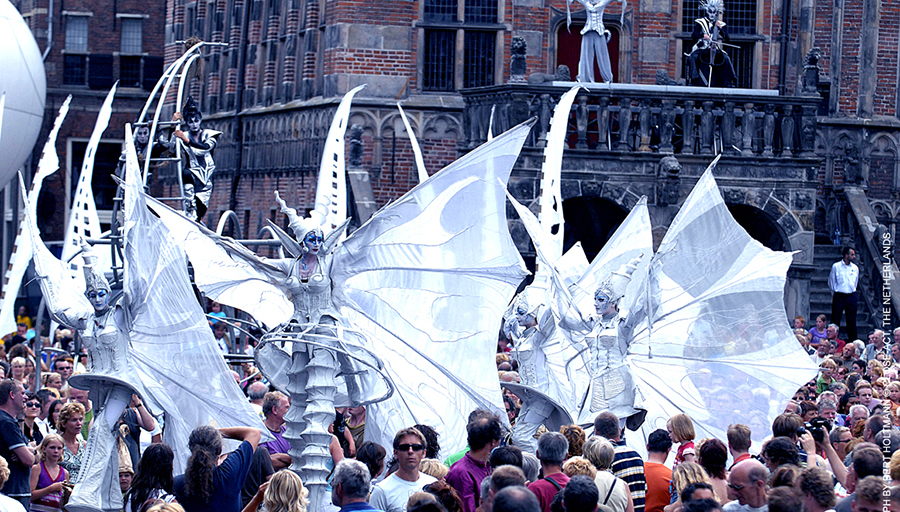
545, 491
738, 460
658, 479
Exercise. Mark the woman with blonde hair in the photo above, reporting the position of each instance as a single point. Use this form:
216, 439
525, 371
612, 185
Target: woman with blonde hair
683, 475
614, 492
578, 465
283, 493
434, 468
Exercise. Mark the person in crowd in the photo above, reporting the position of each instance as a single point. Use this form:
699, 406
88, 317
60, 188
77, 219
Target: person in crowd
434, 468
869, 495
816, 489
683, 475
14, 447
283, 493
393, 492
784, 476
53, 415
65, 367
47, 477
818, 332
30, 428
780, 450
866, 460
551, 451
836, 344
842, 282
433, 447
581, 494
627, 464
747, 487
659, 476
503, 455
206, 486
136, 418
839, 438
446, 495
46, 397
502, 477
738, 443
466, 474
783, 499
8, 503
876, 346
578, 465
256, 392
17, 370
51, 380
681, 430
350, 486
356, 425
704, 505
69, 424
712, 455
823, 351
516, 499
695, 492
575, 435
614, 492
531, 466
275, 405
153, 479
372, 455
81, 396
827, 370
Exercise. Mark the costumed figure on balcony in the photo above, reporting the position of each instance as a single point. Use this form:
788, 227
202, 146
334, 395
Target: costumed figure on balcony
710, 64
399, 287
151, 340
594, 40
197, 147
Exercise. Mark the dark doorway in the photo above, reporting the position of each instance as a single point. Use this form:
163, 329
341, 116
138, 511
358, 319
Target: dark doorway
760, 226
568, 49
592, 221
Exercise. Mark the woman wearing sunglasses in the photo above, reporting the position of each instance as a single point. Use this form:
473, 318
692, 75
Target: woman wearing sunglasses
32, 411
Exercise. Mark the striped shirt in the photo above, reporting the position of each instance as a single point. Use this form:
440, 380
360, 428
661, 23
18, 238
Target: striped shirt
629, 466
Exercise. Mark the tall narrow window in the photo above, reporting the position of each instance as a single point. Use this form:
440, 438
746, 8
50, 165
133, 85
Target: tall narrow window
131, 50
445, 21
75, 60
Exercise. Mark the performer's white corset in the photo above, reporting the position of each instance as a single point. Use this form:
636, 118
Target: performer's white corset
311, 298
594, 22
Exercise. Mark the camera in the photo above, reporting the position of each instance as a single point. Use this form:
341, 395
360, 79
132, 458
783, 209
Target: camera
815, 427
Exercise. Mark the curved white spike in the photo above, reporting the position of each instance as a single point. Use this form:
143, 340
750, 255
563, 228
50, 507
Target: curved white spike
83, 219
331, 190
22, 249
491, 124
417, 151
551, 213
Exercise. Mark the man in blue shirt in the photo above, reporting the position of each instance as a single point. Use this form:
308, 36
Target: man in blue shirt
13, 445
350, 486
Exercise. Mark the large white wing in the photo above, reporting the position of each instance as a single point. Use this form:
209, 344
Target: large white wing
715, 342
22, 249
83, 219
428, 281
331, 190
226, 271
173, 347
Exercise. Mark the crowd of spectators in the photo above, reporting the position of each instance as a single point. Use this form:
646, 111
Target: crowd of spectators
833, 448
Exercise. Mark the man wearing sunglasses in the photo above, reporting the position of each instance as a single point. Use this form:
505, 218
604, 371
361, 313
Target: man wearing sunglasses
747, 486
392, 494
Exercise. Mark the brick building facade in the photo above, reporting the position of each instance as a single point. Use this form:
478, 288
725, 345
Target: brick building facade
88, 46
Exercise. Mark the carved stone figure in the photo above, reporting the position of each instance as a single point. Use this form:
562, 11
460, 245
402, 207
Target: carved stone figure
810, 80
669, 181
517, 62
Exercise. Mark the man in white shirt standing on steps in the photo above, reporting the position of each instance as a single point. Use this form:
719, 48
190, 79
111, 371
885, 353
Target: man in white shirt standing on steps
842, 282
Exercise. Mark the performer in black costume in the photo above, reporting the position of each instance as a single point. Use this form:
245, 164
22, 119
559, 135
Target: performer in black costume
710, 65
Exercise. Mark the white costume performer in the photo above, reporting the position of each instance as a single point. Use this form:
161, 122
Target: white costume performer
153, 341
594, 40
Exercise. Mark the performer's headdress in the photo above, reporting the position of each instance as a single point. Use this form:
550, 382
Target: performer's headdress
93, 280
301, 226
190, 109
615, 285
719, 5
521, 302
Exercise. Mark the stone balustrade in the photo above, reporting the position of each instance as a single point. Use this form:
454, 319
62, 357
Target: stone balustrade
666, 119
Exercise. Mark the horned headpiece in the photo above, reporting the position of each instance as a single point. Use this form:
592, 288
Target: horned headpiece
93, 279
190, 109
615, 285
301, 226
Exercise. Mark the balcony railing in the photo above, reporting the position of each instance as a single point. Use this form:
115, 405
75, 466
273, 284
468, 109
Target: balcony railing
652, 118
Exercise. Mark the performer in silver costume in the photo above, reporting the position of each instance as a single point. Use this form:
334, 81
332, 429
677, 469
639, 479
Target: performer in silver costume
110, 383
528, 329
607, 338
197, 146
594, 40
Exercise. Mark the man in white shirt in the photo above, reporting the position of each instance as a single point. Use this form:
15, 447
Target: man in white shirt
747, 486
392, 494
842, 282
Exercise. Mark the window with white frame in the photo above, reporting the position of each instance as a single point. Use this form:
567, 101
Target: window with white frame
474, 24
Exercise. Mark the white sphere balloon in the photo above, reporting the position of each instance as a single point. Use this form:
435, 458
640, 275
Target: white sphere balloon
23, 80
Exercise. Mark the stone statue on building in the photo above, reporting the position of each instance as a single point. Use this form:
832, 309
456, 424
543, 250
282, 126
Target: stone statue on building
517, 63
710, 65
594, 40
669, 181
